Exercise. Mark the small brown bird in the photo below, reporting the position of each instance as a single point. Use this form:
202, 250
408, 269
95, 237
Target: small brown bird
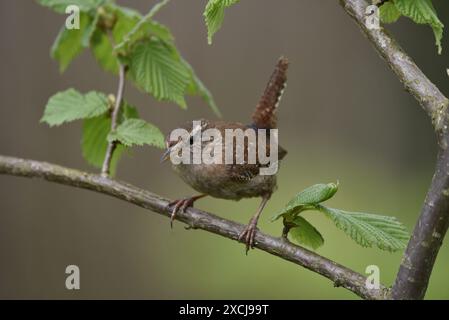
235, 181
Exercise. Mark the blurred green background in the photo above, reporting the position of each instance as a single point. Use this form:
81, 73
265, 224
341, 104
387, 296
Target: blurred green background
344, 116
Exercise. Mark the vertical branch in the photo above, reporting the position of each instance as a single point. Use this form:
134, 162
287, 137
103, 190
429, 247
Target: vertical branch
419, 257
422, 250
114, 121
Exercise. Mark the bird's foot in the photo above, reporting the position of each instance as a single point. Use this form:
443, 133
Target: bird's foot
181, 205
248, 234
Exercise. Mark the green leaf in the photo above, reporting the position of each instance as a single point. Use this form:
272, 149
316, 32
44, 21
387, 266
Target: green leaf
95, 132
145, 28
89, 32
103, 52
315, 194
61, 5
137, 132
422, 12
197, 87
128, 112
307, 198
101, 45
70, 42
156, 67
127, 19
71, 105
214, 15
306, 234
94, 142
369, 230
389, 13
128, 12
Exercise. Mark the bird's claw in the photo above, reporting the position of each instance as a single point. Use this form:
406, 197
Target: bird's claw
248, 234
179, 206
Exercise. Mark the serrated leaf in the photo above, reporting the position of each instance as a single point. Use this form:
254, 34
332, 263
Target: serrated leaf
306, 234
94, 142
369, 230
70, 42
61, 5
127, 19
137, 132
102, 48
144, 28
197, 87
71, 105
214, 15
309, 197
156, 67
388, 12
422, 12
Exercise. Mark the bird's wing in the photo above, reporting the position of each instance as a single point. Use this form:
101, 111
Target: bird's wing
242, 173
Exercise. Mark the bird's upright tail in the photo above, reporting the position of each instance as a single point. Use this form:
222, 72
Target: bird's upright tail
265, 114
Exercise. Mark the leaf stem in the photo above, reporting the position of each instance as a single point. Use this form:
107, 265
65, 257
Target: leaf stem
114, 121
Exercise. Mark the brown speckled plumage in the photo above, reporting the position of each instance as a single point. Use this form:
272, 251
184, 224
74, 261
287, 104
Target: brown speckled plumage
237, 181
265, 114
227, 181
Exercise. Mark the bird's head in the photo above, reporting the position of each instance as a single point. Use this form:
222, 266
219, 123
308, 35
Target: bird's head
182, 137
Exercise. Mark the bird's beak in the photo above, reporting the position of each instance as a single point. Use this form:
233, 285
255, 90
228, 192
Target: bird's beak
166, 155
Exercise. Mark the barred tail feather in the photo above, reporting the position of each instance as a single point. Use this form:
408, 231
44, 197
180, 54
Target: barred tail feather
265, 114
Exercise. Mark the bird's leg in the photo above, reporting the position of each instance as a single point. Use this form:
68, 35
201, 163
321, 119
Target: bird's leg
181, 205
249, 232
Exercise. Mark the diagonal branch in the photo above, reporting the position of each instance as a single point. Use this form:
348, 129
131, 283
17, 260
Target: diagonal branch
422, 250
196, 219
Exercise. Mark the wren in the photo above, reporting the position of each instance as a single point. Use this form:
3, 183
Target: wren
235, 181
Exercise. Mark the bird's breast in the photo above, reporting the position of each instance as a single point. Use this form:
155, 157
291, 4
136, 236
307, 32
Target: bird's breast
217, 180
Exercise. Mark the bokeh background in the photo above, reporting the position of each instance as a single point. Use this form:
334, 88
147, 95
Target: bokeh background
344, 116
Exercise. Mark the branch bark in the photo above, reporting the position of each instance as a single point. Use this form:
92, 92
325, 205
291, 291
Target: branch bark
195, 219
114, 121
419, 258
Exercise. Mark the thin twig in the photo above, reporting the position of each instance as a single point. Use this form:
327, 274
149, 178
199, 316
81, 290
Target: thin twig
114, 121
419, 258
195, 219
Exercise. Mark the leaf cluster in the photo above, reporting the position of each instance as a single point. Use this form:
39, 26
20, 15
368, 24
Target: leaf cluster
420, 11
366, 229
118, 35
